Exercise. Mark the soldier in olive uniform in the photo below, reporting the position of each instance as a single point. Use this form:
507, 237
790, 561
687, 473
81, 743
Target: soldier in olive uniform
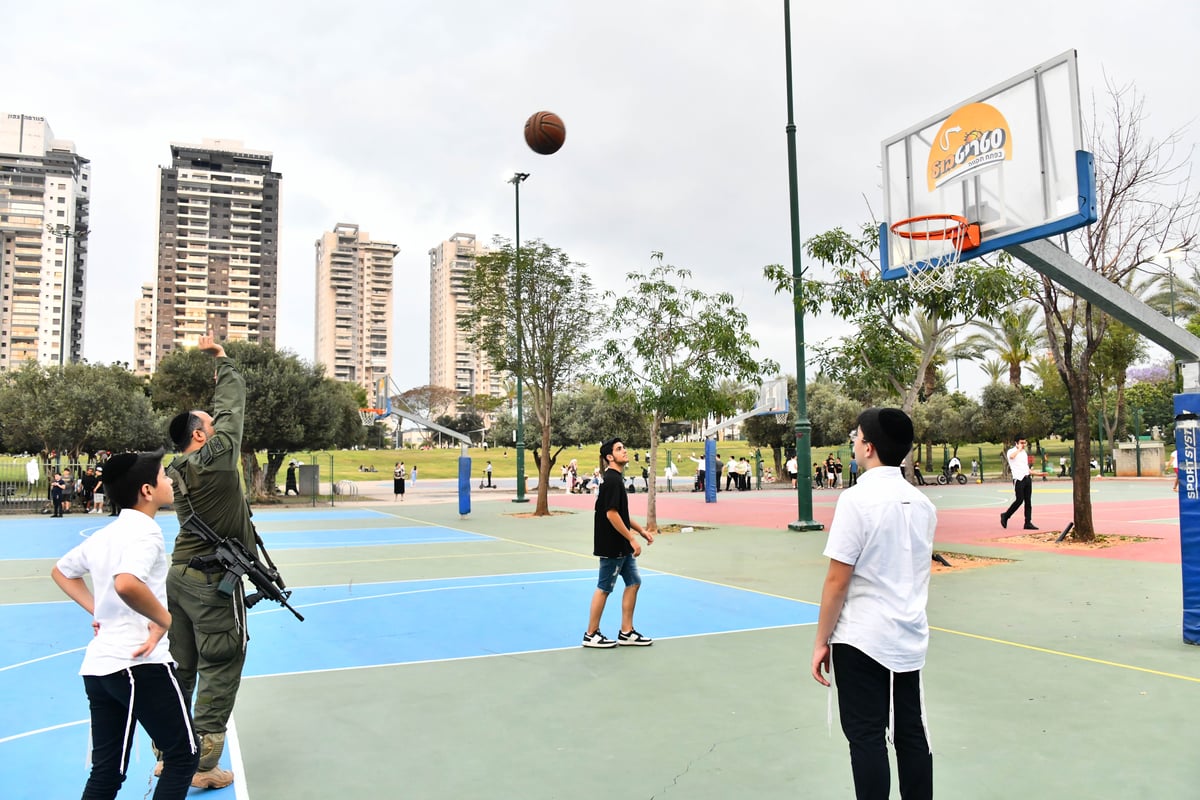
208, 630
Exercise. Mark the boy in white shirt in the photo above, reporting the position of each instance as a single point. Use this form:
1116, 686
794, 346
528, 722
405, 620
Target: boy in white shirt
127, 671
872, 626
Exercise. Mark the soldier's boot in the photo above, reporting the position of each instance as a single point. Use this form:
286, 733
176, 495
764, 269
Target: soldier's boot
208, 774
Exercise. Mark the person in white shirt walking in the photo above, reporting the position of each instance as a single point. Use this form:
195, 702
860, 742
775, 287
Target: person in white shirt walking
872, 631
128, 672
1018, 464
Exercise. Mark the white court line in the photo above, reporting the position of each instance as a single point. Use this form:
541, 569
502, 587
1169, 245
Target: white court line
516, 653
25, 734
43, 658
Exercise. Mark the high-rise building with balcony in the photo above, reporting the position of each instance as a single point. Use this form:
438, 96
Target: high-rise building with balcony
354, 305
454, 363
44, 201
218, 246
143, 332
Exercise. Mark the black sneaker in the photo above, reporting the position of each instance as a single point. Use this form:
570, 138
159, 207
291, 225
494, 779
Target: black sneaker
1003, 521
633, 638
1029, 526
597, 639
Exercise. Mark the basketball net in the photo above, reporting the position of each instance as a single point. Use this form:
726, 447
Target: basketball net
367, 415
932, 248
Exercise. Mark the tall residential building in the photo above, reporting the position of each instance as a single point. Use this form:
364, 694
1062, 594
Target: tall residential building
354, 305
453, 362
143, 332
44, 200
218, 246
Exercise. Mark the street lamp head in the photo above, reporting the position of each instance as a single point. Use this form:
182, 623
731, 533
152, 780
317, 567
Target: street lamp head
518, 177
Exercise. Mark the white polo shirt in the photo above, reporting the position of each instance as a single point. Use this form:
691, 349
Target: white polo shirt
883, 526
132, 543
1018, 463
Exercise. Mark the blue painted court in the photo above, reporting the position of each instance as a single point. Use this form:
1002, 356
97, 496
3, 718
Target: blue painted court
351, 625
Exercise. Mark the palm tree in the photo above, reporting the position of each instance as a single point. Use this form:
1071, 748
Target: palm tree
1015, 338
994, 368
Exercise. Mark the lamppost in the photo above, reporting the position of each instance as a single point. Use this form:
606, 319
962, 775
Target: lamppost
803, 426
516, 180
68, 283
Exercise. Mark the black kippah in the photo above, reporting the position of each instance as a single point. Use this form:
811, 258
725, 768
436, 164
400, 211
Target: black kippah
178, 428
895, 424
116, 466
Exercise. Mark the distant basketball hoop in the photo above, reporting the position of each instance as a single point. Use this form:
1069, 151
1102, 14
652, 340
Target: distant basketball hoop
370, 416
934, 245
772, 398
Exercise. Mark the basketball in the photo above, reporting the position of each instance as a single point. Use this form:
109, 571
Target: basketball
545, 132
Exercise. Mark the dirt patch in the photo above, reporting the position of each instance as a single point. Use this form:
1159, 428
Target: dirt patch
673, 528
1047, 539
530, 514
962, 561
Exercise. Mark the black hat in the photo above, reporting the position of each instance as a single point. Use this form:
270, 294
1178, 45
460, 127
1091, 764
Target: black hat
607, 447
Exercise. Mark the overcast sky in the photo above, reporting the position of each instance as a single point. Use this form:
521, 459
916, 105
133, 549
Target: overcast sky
406, 119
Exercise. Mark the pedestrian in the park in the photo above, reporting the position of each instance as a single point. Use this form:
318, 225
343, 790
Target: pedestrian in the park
792, 469
615, 543
853, 468
488, 471
872, 626
128, 672
414, 475
290, 486
209, 634
1018, 464
398, 477
57, 489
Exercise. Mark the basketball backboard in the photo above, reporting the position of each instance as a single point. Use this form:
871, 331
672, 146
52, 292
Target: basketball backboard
1009, 160
772, 397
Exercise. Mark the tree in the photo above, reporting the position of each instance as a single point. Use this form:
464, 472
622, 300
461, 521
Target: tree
290, 405
901, 331
684, 345
555, 301
1014, 338
1121, 347
831, 413
77, 408
429, 402
1006, 412
1144, 207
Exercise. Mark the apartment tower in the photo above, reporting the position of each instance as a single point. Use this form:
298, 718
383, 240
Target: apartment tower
354, 305
218, 246
44, 200
453, 362
143, 332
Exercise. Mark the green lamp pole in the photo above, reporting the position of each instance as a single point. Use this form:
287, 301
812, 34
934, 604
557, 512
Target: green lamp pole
803, 426
516, 180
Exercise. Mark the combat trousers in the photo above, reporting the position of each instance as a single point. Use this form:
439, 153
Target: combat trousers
208, 641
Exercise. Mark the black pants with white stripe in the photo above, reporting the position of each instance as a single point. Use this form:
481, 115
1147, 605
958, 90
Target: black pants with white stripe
148, 694
865, 688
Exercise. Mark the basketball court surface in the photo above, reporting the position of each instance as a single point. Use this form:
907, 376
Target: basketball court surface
440, 656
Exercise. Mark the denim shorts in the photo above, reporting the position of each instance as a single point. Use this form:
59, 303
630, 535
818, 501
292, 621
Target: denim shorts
610, 568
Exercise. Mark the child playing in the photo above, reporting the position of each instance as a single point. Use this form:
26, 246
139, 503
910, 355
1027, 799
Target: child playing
128, 673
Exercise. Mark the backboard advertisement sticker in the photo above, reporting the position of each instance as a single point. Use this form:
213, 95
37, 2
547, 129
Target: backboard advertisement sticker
975, 136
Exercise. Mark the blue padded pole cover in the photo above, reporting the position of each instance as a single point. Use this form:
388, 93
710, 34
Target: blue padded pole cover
710, 464
1187, 448
464, 485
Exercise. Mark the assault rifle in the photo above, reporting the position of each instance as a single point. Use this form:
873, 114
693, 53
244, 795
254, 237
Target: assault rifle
239, 563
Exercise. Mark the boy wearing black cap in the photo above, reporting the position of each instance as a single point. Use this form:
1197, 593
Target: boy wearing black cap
128, 672
872, 629
618, 549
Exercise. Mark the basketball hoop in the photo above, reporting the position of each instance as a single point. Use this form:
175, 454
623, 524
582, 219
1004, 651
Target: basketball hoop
932, 248
369, 416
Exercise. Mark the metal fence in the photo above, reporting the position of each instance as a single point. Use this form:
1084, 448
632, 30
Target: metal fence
25, 484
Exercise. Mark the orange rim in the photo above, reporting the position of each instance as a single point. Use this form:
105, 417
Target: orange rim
957, 229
